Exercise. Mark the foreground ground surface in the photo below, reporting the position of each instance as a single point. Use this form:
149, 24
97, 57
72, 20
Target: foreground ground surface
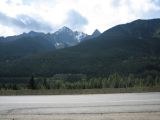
124, 106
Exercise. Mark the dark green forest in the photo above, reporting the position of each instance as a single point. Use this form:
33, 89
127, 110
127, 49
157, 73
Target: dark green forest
81, 81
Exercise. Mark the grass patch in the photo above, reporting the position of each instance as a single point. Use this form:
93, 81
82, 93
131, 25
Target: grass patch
78, 91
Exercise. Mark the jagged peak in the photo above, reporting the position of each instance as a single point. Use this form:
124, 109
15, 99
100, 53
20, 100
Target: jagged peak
64, 28
96, 31
34, 33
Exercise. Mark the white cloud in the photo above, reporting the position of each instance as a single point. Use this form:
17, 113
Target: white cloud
100, 14
5, 31
75, 20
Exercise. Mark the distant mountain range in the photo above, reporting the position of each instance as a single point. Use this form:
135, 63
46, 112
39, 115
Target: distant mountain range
62, 38
95, 34
15, 47
128, 48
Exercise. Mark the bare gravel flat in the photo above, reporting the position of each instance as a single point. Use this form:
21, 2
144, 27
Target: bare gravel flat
124, 106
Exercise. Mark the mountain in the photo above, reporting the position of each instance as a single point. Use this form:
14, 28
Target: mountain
128, 48
15, 47
64, 32
80, 36
15, 37
95, 34
23, 46
65, 37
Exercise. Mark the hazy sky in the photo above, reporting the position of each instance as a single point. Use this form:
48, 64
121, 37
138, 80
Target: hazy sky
18, 16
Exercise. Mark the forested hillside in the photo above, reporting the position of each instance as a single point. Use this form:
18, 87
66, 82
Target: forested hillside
124, 56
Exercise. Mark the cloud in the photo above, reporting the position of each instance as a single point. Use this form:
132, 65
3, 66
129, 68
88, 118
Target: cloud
24, 22
84, 15
9, 21
75, 20
151, 14
31, 23
157, 2
115, 3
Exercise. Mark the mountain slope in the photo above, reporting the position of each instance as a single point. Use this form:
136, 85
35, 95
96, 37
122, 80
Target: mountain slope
15, 47
95, 34
129, 48
65, 37
24, 46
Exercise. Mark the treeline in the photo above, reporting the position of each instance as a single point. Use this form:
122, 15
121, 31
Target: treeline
81, 81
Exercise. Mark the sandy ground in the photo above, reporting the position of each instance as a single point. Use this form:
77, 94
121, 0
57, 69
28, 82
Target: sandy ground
110, 116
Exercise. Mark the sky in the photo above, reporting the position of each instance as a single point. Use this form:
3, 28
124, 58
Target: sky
18, 16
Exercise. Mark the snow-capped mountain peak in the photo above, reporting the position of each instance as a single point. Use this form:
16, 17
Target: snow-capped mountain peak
69, 34
80, 35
